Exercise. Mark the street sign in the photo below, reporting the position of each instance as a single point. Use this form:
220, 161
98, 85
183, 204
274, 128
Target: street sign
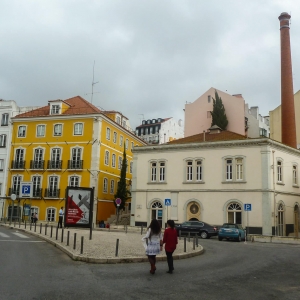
118, 201
247, 207
167, 202
26, 188
13, 197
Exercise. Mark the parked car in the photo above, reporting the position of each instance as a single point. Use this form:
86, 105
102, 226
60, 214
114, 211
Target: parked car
197, 227
231, 231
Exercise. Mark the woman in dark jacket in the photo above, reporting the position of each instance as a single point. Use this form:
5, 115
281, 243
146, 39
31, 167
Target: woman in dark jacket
171, 241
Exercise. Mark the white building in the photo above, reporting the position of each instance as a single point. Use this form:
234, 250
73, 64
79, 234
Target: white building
160, 131
8, 109
210, 176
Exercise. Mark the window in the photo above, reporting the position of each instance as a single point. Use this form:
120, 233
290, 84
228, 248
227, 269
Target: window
58, 129
142, 131
295, 175
153, 171
36, 182
162, 171
105, 185
199, 170
118, 120
55, 109
16, 185
112, 186
76, 162
126, 144
55, 162
40, 130
115, 137
228, 169
1, 164
74, 181
208, 114
22, 131
78, 128
2, 140
132, 145
193, 170
189, 170
121, 140
38, 159
150, 130
106, 158
239, 169
51, 214
279, 171
18, 163
108, 133
130, 169
208, 98
120, 163
124, 123
234, 213
53, 187
4, 120
113, 160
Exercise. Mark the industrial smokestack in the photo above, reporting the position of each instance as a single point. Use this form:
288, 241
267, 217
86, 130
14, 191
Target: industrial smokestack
288, 123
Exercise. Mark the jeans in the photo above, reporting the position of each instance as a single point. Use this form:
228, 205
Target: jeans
170, 260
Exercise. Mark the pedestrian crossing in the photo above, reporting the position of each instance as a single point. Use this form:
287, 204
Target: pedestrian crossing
20, 235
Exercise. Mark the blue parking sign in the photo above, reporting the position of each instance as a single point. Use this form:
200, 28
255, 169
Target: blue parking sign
26, 189
247, 207
167, 202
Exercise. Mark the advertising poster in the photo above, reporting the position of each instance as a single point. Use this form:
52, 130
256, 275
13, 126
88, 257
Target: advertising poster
79, 207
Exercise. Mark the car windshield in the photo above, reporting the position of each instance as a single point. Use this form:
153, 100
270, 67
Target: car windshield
228, 226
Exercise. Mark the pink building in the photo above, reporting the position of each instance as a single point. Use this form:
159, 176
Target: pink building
198, 117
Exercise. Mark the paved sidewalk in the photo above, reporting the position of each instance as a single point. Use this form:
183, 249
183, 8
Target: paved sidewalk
102, 247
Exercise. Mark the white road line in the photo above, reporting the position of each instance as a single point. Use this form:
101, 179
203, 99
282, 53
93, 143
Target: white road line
20, 235
20, 241
3, 235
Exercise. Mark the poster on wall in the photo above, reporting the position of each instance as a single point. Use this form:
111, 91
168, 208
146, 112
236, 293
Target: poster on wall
79, 207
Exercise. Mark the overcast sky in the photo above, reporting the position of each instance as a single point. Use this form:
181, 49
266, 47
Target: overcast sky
151, 57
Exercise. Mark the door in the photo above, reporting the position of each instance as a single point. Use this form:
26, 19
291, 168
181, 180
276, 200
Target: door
19, 158
280, 220
55, 158
157, 212
38, 157
296, 220
76, 157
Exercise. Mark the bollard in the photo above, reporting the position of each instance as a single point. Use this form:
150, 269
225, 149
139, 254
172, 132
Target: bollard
117, 247
56, 233
62, 235
46, 226
74, 246
180, 235
141, 229
184, 245
41, 227
189, 235
81, 248
68, 237
30, 225
19, 223
194, 242
91, 232
197, 240
51, 231
35, 227
126, 228
25, 224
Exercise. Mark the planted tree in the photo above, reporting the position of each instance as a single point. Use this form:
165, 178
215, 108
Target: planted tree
218, 114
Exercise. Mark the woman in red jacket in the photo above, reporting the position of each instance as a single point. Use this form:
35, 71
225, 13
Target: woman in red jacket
171, 240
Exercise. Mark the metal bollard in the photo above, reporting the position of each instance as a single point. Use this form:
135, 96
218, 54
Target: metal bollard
62, 235
117, 247
74, 246
46, 226
41, 226
194, 242
91, 232
197, 240
56, 233
30, 225
180, 235
81, 248
126, 228
68, 237
184, 245
141, 229
35, 227
51, 231
189, 236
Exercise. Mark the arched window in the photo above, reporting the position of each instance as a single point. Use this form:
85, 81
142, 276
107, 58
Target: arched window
105, 182
280, 219
157, 212
234, 213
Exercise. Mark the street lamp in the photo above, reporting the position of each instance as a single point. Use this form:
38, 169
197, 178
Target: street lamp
13, 197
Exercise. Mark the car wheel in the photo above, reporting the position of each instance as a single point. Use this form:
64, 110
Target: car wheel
203, 235
220, 239
239, 239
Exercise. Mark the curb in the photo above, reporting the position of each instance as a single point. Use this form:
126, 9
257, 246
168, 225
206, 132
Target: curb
110, 260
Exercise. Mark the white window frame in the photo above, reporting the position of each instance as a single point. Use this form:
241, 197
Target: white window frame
229, 169
105, 185
4, 119
108, 133
115, 137
56, 131
55, 109
3, 138
121, 140
189, 170
38, 131
22, 129
153, 171
78, 128
112, 186
120, 160
295, 174
239, 169
279, 171
1, 164
199, 170
74, 181
53, 213
126, 144
106, 158
113, 160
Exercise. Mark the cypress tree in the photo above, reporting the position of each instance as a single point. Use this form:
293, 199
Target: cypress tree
218, 114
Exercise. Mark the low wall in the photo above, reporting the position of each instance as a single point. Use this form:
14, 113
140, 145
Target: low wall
274, 239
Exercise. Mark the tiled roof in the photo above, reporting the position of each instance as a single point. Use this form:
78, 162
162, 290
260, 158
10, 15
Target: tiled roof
78, 106
107, 112
210, 137
162, 120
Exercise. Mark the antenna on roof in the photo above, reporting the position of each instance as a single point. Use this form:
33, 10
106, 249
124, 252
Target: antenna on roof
93, 83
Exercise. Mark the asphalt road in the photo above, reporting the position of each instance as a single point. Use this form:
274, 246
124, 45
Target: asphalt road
31, 269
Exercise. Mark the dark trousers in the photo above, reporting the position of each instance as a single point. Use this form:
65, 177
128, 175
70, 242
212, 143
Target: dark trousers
170, 260
60, 219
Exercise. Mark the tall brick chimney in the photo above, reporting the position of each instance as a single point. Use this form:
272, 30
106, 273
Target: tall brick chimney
288, 123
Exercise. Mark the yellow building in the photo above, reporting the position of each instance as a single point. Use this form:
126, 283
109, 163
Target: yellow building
275, 121
69, 143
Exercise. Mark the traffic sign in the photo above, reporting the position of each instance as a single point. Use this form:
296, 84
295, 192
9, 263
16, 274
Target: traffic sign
167, 202
247, 207
26, 188
118, 201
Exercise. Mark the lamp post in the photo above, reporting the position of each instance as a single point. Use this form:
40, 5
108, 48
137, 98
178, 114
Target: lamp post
118, 201
13, 197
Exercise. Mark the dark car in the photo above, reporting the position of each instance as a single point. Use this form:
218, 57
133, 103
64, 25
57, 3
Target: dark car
197, 227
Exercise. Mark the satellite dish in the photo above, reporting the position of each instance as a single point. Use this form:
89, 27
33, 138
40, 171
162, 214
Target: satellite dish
13, 197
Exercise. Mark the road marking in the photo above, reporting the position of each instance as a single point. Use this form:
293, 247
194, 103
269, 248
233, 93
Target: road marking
3, 235
20, 235
22, 241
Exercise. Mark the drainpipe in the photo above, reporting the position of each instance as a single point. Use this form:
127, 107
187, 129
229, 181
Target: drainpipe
203, 135
274, 194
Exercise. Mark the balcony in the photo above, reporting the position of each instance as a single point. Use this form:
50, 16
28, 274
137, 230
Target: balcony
37, 164
37, 192
52, 193
16, 164
75, 164
13, 191
54, 164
